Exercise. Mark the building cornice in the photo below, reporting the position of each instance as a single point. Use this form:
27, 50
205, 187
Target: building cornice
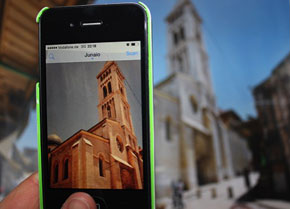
165, 96
165, 81
78, 134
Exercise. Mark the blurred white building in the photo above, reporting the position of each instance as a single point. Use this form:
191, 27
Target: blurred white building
192, 143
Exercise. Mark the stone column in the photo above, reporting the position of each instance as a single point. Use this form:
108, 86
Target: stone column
188, 163
217, 151
116, 181
133, 161
75, 165
88, 164
82, 164
228, 153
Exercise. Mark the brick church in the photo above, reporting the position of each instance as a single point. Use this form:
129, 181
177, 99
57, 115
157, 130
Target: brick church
106, 156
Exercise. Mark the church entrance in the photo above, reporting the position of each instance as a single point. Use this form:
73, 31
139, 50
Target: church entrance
205, 158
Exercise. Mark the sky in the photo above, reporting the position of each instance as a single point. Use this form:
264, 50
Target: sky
244, 39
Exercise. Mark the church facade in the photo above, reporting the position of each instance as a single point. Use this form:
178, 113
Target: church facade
106, 156
192, 143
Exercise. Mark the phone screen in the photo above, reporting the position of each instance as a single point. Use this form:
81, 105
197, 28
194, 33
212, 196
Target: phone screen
94, 115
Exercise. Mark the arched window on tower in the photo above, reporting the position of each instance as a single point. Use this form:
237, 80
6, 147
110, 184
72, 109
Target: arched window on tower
101, 167
168, 128
121, 89
182, 34
109, 111
55, 178
175, 38
109, 87
65, 169
105, 91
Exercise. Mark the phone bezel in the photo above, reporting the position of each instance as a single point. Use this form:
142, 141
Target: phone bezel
128, 29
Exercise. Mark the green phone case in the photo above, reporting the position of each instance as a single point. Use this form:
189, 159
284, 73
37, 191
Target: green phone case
151, 113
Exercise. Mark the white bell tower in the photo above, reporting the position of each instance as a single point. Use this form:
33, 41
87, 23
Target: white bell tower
186, 51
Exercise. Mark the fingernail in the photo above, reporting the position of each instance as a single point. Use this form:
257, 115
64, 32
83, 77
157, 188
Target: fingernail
78, 204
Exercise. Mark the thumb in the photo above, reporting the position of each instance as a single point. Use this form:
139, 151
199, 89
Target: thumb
24, 196
79, 200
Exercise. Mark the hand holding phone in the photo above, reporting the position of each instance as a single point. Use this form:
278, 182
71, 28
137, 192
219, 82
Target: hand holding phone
96, 117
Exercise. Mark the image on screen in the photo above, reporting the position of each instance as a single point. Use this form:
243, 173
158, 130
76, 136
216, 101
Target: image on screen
94, 117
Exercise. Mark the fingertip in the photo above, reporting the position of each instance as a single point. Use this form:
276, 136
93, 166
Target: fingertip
79, 200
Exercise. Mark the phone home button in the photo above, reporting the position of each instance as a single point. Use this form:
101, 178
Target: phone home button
100, 203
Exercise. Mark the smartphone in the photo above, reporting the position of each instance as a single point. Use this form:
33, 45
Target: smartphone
94, 102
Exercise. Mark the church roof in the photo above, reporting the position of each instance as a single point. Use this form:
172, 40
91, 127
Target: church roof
97, 126
78, 135
165, 81
230, 114
178, 10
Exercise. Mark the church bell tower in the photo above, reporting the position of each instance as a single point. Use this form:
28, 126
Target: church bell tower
113, 102
186, 50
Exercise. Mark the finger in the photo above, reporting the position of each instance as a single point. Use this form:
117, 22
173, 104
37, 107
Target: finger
79, 200
24, 196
